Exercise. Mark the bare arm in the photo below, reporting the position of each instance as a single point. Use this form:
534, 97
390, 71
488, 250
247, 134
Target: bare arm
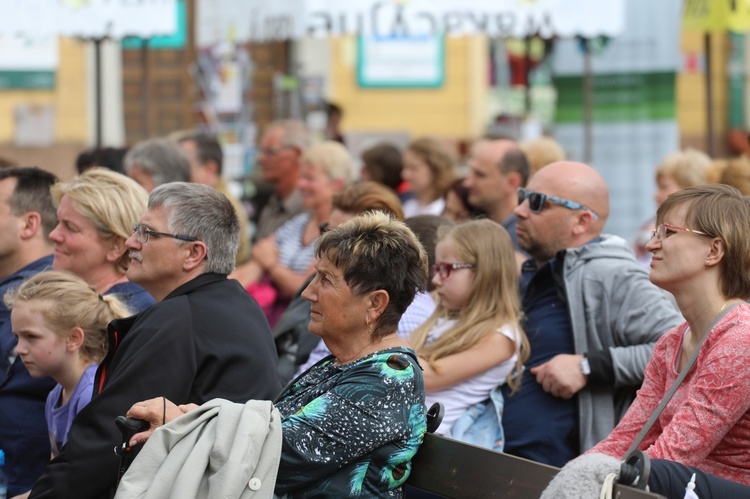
453, 369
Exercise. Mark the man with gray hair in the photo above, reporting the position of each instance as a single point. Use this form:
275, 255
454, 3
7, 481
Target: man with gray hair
154, 162
279, 152
204, 338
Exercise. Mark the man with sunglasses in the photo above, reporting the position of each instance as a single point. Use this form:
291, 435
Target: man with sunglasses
205, 337
497, 168
591, 315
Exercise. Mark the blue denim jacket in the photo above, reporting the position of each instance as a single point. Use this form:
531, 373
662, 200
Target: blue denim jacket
482, 423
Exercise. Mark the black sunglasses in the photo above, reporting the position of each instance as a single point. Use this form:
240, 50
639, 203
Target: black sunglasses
537, 199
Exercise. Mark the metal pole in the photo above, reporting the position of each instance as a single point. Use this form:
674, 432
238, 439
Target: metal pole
709, 93
527, 71
587, 102
98, 89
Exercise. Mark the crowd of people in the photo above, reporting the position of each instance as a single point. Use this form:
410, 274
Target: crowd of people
296, 346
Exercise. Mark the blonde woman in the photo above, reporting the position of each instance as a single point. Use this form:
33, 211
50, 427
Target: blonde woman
429, 169
282, 262
473, 342
96, 212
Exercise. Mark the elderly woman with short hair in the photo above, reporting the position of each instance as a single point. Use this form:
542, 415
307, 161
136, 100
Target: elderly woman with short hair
96, 212
352, 423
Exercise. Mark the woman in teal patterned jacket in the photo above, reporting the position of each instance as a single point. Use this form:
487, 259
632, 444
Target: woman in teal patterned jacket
352, 422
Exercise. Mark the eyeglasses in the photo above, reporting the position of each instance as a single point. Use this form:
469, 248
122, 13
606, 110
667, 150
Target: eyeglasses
663, 231
537, 199
272, 151
142, 233
444, 269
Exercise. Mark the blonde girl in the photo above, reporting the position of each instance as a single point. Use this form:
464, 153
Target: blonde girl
61, 326
473, 341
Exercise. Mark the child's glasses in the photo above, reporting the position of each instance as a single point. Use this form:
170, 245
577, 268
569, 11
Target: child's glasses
444, 269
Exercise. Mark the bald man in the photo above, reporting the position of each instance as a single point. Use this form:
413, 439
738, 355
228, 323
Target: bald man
591, 314
497, 168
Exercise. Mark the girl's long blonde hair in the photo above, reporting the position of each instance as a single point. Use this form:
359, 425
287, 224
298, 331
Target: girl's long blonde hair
67, 301
492, 303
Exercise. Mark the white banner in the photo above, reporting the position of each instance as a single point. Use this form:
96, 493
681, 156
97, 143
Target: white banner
88, 18
265, 20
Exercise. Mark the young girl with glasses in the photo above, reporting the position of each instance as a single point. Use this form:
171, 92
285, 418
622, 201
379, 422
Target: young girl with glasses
473, 341
61, 326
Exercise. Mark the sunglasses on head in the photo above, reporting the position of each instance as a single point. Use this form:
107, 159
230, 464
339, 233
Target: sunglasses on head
537, 199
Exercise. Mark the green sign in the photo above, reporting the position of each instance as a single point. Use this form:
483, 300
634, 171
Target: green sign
34, 80
177, 41
617, 97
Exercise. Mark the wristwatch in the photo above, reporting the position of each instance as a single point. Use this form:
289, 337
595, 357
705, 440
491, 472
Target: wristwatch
585, 367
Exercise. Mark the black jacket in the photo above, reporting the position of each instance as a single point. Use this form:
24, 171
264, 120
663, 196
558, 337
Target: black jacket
206, 339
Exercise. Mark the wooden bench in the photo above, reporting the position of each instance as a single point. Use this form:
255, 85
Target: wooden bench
448, 468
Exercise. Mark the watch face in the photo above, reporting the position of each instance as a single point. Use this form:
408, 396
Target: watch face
585, 367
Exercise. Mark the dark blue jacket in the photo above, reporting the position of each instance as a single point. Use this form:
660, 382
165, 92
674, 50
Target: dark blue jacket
23, 429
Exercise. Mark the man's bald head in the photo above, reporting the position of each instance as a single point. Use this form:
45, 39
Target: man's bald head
577, 182
557, 226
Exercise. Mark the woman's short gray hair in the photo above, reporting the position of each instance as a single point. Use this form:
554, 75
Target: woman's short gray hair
375, 251
202, 212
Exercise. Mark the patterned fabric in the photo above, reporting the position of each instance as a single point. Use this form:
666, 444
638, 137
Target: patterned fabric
292, 253
420, 309
706, 424
352, 430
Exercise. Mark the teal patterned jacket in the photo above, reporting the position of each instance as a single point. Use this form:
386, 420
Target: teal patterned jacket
352, 430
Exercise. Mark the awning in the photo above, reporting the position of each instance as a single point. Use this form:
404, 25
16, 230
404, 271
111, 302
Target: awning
267, 20
88, 18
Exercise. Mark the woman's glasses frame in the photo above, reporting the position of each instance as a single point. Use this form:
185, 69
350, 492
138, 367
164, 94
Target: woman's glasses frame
661, 231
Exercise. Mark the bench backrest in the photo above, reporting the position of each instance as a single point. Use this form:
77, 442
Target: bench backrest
450, 468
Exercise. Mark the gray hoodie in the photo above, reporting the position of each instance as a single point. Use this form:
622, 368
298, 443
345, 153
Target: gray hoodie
613, 308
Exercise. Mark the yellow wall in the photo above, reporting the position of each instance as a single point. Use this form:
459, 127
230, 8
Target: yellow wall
691, 91
68, 97
454, 111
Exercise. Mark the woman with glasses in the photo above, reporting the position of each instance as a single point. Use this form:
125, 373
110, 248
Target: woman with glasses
473, 340
701, 254
96, 213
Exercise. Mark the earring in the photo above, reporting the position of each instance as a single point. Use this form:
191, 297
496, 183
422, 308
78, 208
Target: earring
707, 264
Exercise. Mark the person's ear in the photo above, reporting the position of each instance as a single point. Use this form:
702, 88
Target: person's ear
196, 253
75, 339
715, 252
117, 248
30, 224
212, 166
514, 181
377, 303
584, 220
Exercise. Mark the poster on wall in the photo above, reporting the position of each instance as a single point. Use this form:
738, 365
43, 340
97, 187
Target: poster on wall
28, 63
400, 62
